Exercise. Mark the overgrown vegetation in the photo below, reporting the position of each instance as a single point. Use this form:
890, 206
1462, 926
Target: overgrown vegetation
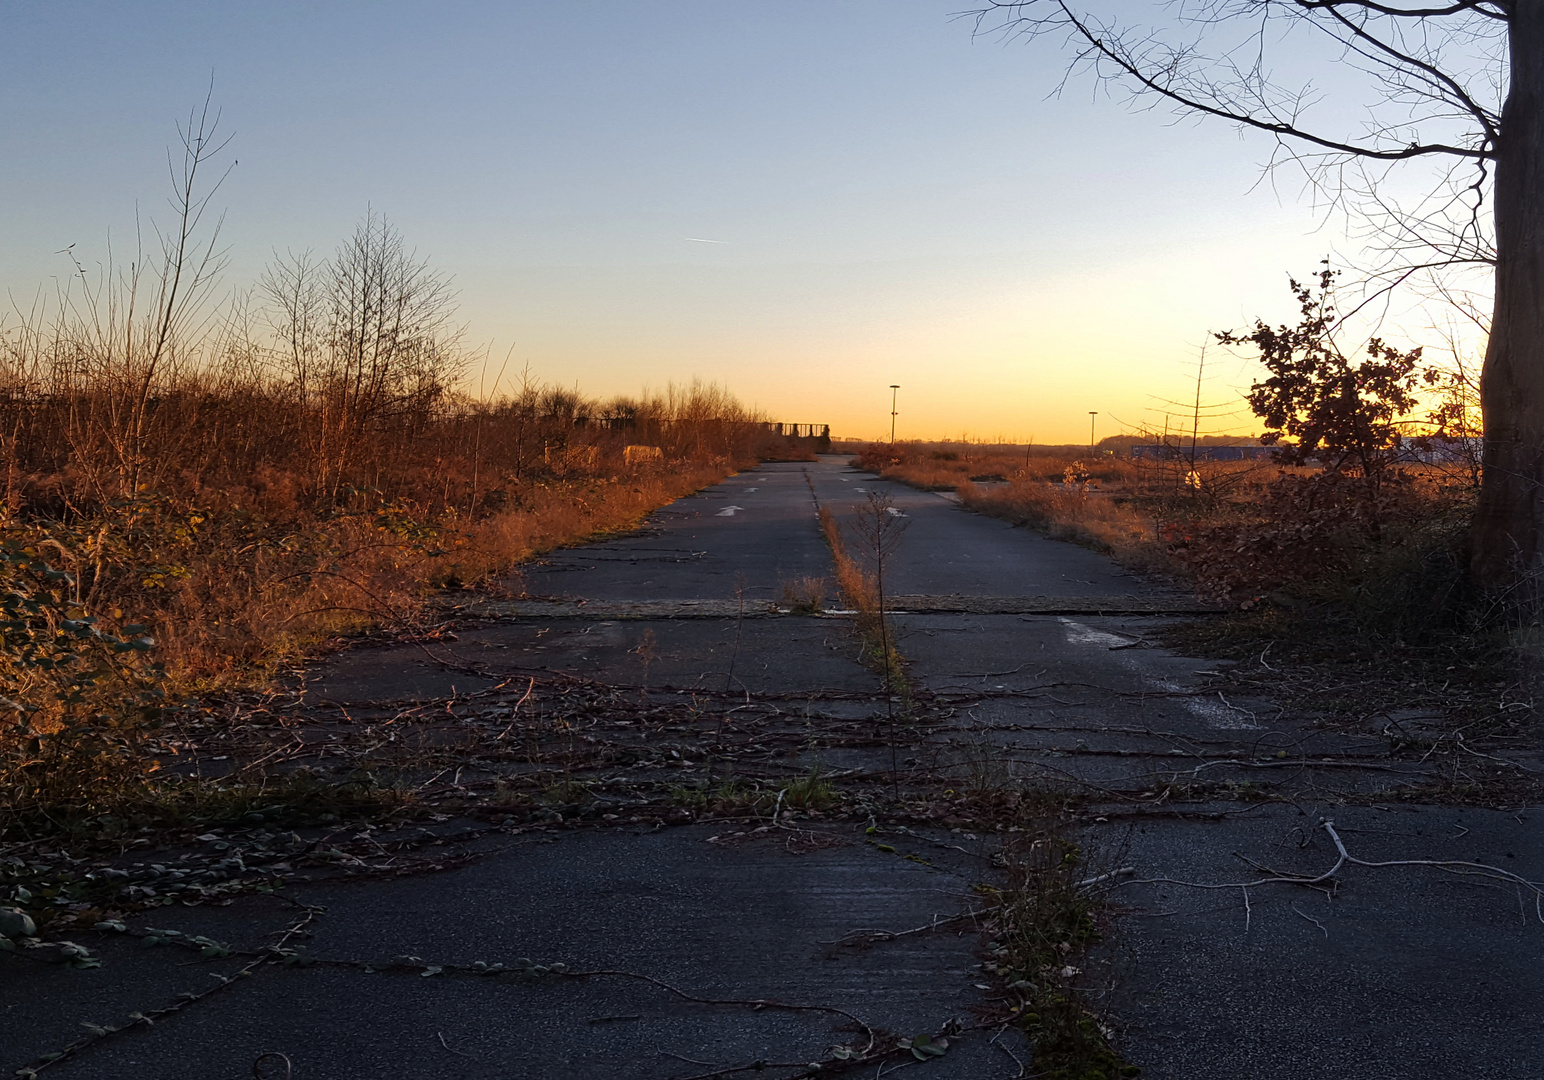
80, 698
1356, 523
238, 480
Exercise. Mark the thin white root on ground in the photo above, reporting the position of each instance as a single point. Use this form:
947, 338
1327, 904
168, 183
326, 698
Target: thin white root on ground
1456, 867
1310, 918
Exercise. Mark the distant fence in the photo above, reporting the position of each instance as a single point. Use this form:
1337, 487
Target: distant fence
801, 431
786, 431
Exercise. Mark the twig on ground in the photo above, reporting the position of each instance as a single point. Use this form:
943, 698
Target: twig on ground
1113, 875
514, 712
1014, 1056
1310, 918
441, 1036
755, 1003
891, 935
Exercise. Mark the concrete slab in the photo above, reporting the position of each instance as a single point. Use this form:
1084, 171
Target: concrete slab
1403, 972
1407, 971
748, 920
747, 535
947, 549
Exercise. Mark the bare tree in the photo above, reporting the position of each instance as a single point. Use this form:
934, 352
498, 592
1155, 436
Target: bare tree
1459, 83
362, 337
121, 338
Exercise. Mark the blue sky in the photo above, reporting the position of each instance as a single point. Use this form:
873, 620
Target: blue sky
897, 200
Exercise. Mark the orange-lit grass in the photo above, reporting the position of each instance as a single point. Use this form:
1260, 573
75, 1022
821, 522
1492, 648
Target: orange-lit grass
217, 628
856, 586
1117, 526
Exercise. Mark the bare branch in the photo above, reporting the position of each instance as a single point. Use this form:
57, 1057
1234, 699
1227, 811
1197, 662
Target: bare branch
1495, 10
1167, 80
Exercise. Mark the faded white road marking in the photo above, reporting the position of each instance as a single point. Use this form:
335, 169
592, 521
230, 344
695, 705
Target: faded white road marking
1079, 634
1216, 714
728, 511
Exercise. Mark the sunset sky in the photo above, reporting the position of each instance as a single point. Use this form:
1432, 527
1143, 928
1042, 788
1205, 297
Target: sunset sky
893, 200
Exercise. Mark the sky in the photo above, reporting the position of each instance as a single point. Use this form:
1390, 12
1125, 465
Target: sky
892, 198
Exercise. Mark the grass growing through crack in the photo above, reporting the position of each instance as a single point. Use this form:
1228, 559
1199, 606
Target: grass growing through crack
297, 798
725, 798
880, 529
805, 595
1045, 917
566, 792
862, 592
810, 792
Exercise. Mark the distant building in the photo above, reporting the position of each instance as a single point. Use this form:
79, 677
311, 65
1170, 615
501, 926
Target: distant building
1441, 451
1165, 452
1425, 451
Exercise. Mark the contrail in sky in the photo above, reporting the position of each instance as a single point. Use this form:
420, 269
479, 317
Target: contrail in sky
700, 240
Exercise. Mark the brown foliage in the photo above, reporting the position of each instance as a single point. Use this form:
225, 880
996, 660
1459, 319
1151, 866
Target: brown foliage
1304, 529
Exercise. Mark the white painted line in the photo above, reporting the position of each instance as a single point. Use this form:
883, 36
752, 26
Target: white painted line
1216, 714
1078, 634
728, 511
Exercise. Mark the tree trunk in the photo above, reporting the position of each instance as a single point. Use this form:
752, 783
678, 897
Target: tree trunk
1508, 536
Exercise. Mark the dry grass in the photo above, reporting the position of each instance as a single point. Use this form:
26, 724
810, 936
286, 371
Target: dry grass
252, 479
227, 597
857, 587
1117, 526
1114, 505
234, 581
303, 458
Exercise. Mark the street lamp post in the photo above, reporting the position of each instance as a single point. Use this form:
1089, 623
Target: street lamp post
894, 390
1091, 416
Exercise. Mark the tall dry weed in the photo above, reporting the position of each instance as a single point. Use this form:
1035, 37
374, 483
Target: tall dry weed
1116, 526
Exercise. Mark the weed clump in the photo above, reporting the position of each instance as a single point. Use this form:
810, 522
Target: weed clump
811, 791
1044, 917
805, 595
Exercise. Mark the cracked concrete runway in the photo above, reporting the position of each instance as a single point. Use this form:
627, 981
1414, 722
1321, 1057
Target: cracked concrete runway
1404, 972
